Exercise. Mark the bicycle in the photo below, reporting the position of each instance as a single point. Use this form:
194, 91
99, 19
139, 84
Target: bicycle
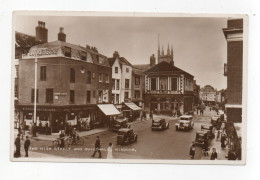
78, 141
57, 143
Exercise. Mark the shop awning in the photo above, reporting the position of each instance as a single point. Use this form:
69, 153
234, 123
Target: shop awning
133, 106
108, 109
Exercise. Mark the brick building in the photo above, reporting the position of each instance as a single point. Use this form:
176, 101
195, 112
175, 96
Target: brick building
234, 72
71, 80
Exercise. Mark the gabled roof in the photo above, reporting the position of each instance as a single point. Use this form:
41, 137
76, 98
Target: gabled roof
121, 61
142, 67
165, 67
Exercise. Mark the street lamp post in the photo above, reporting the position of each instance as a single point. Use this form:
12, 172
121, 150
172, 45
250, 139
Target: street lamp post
35, 90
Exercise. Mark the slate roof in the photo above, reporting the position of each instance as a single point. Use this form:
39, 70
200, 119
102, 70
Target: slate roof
78, 48
23, 42
165, 67
122, 60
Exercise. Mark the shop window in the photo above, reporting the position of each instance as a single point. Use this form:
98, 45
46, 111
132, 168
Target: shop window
43, 73
72, 96
49, 95
32, 95
153, 83
72, 75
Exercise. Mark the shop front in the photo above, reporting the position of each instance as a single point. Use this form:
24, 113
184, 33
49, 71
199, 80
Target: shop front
55, 117
106, 111
131, 111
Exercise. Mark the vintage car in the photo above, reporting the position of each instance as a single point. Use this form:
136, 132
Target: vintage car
185, 123
209, 128
215, 120
118, 123
201, 137
126, 136
159, 124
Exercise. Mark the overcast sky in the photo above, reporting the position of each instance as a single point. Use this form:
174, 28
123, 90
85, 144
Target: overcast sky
199, 45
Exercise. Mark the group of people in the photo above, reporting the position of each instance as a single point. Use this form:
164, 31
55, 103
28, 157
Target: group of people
213, 156
17, 144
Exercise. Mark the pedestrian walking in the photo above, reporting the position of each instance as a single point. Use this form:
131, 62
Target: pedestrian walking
197, 110
218, 135
26, 146
214, 154
223, 141
110, 151
97, 148
17, 144
23, 128
151, 115
62, 139
34, 130
192, 150
205, 148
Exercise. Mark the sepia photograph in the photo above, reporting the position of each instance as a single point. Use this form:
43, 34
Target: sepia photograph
129, 87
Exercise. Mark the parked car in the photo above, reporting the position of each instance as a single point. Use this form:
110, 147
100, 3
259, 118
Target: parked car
119, 123
209, 128
185, 123
215, 120
126, 136
159, 124
201, 137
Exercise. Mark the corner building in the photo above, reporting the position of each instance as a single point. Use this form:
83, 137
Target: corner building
71, 80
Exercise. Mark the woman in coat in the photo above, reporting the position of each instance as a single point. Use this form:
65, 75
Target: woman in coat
192, 150
109, 151
214, 154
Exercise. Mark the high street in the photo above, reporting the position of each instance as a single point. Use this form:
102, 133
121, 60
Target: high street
167, 144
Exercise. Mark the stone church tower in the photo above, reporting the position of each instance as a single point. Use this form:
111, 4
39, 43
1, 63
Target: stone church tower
168, 57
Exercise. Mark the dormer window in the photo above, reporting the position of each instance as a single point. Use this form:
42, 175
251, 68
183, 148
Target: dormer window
67, 51
83, 56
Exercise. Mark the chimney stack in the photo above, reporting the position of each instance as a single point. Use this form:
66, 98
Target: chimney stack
152, 60
115, 54
41, 33
62, 35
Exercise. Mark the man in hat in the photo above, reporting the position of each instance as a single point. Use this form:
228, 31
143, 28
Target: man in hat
26, 146
97, 147
17, 144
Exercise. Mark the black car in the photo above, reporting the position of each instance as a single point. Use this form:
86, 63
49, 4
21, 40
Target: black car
117, 124
159, 124
126, 136
201, 137
209, 128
